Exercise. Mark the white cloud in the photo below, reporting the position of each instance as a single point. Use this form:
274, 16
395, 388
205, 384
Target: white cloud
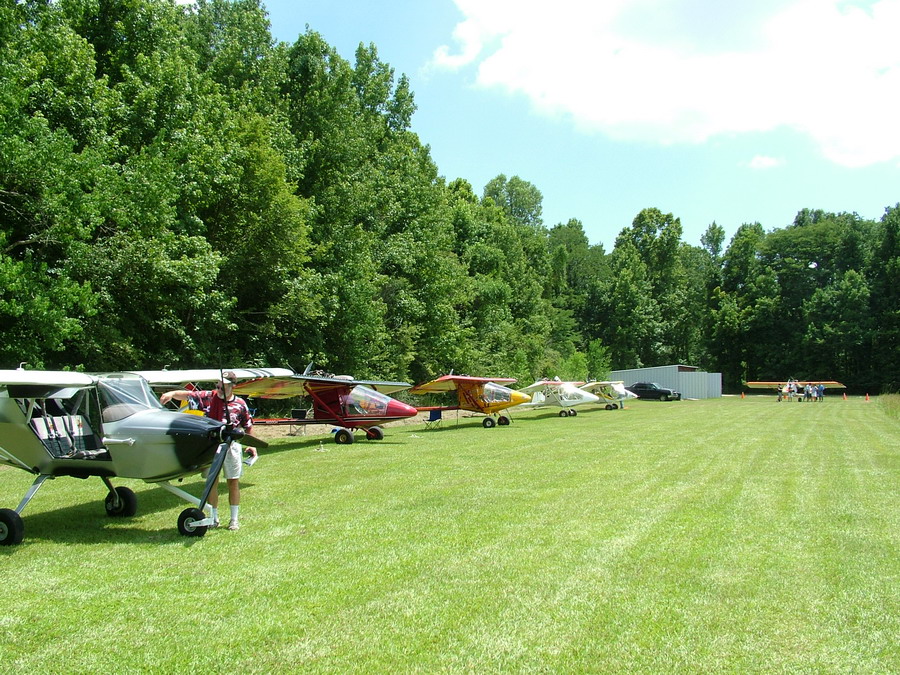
765, 162
684, 71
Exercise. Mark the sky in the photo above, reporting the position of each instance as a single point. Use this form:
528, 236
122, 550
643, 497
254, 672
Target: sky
713, 111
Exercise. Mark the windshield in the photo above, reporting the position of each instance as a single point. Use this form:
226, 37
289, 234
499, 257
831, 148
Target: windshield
123, 395
364, 401
496, 393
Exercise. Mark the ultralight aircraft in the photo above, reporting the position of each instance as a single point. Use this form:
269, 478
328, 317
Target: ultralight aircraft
790, 388
565, 395
612, 393
484, 395
339, 400
111, 425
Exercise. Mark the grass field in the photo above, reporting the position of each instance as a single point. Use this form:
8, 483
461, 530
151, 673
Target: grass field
727, 535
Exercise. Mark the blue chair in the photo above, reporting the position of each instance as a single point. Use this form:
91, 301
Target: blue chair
434, 419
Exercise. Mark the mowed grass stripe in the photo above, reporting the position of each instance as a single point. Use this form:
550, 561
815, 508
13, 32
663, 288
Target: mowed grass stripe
701, 535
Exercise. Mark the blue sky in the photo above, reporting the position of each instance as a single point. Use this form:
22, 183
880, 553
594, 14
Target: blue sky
709, 110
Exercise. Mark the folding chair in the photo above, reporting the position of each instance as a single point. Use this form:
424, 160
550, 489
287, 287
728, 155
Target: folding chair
434, 419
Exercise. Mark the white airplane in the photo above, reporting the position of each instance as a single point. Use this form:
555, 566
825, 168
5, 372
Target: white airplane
111, 425
565, 395
612, 392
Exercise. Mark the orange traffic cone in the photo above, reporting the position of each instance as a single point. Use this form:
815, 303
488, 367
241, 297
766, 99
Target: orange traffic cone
867, 397
845, 395
742, 394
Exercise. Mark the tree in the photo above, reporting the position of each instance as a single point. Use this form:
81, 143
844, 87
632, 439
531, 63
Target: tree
519, 199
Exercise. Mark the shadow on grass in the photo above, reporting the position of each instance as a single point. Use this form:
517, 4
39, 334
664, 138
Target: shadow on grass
87, 522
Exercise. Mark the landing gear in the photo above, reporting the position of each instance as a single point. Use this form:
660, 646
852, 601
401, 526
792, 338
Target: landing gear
12, 529
343, 437
121, 502
503, 421
187, 522
488, 422
563, 413
375, 433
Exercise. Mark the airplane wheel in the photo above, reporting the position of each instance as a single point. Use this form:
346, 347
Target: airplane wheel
127, 503
610, 406
503, 421
572, 412
488, 422
563, 413
343, 437
187, 520
12, 529
375, 433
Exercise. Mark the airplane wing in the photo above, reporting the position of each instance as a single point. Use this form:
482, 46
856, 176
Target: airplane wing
179, 377
540, 384
602, 385
59, 378
299, 385
43, 383
451, 383
828, 384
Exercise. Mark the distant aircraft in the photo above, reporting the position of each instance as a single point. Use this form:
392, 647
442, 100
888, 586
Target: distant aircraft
790, 388
565, 395
336, 399
612, 392
477, 394
111, 425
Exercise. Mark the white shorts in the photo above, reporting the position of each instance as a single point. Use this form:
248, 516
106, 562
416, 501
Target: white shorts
233, 466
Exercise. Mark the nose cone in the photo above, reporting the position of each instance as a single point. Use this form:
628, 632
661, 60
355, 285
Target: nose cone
519, 397
399, 409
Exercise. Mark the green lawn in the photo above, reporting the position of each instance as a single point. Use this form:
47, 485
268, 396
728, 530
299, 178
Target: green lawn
727, 535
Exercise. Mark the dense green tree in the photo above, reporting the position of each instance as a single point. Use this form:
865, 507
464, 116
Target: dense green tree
885, 302
839, 334
520, 200
176, 187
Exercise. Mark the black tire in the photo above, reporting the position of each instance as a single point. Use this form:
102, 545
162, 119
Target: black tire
186, 522
343, 437
563, 413
375, 433
503, 421
488, 422
572, 412
665, 397
12, 529
610, 406
127, 506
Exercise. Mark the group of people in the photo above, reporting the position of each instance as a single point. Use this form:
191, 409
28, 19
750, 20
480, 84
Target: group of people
223, 405
809, 391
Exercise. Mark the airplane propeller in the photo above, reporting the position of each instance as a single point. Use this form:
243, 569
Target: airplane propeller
229, 433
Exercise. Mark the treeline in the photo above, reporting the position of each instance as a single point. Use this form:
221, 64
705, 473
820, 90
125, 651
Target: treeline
179, 189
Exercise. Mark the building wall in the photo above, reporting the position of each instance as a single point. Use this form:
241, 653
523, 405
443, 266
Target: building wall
691, 382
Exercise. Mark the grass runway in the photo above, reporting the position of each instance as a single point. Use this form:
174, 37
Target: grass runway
729, 535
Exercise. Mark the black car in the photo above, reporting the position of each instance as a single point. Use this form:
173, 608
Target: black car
653, 390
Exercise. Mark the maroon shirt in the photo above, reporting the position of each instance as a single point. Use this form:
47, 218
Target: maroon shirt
214, 408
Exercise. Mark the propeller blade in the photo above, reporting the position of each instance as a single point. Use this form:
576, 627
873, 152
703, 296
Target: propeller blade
254, 441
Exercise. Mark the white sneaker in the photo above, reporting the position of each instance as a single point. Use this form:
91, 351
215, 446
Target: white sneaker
214, 525
233, 525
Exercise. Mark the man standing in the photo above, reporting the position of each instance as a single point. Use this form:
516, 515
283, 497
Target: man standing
224, 406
